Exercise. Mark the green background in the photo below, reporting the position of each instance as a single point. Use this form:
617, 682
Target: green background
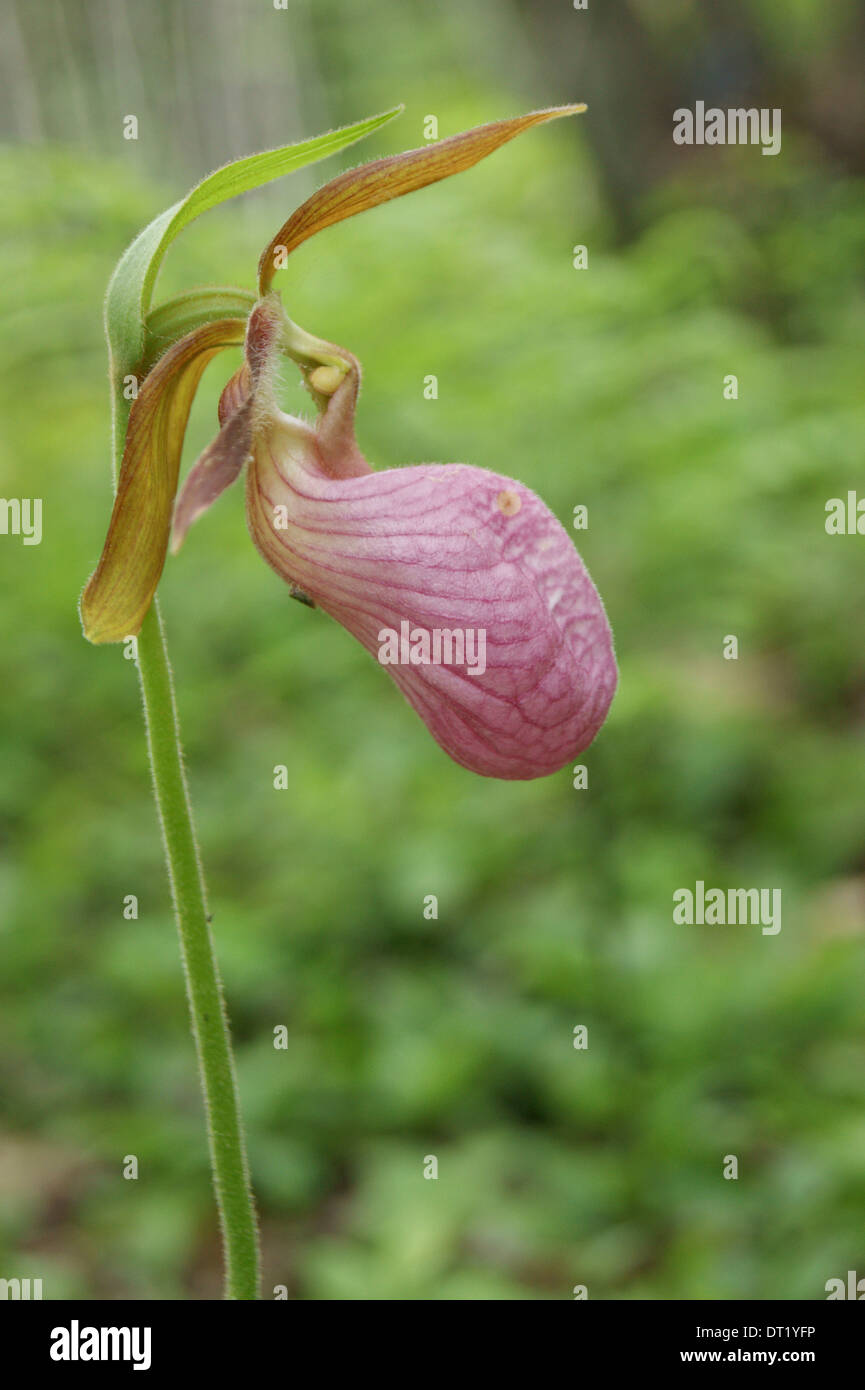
602, 387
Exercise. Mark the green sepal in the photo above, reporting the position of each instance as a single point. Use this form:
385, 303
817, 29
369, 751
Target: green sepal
130, 290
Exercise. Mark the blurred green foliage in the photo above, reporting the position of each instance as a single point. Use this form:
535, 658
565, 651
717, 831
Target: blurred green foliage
453, 1037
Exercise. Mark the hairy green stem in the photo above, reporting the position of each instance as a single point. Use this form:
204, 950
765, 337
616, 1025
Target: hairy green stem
227, 1145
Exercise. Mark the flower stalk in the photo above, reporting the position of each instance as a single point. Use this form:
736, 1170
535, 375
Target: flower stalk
208, 1017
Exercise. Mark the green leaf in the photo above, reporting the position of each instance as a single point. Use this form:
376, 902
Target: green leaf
131, 286
173, 319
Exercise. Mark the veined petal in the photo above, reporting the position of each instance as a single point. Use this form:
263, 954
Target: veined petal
452, 552
219, 465
120, 591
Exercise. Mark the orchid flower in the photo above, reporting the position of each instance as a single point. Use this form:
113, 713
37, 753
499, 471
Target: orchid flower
459, 580
415, 561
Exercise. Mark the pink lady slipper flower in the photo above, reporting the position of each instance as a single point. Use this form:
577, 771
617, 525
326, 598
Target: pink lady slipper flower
459, 581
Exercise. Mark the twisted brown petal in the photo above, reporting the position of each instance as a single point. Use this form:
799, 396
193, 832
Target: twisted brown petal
383, 179
120, 591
